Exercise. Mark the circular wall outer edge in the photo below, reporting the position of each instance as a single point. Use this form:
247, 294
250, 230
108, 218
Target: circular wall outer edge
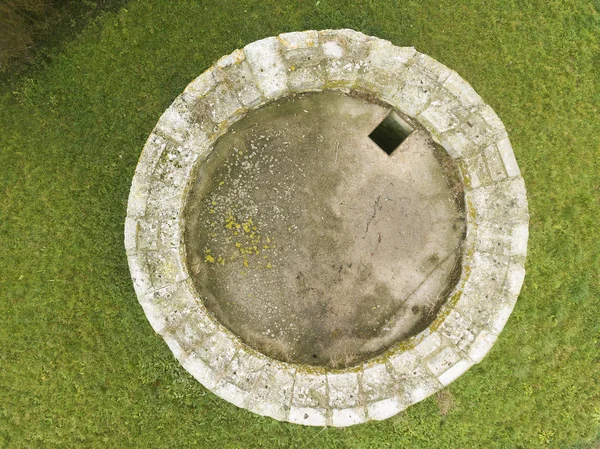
413, 83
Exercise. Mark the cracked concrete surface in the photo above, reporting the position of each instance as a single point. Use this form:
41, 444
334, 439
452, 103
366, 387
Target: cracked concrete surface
313, 245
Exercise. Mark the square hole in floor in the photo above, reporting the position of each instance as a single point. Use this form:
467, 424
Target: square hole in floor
391, 132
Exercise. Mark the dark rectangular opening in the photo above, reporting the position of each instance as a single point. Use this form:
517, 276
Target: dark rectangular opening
390, 133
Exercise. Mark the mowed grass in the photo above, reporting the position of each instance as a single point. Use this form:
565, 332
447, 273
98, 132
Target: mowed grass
80, 365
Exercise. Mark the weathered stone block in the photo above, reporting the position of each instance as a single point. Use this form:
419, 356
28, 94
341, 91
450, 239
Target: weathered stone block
221, 104
455, 372
415, 95
463, 92
383, 72
231, 393
239, 76
268, 66
193, 331
272, 394
348, 417
343, 390
377, 383
303, 79
167, 307
458, 329
481, 346
166, 267
385, 408
508, 157
418, 384
200, 371
217, 351
443, 360
245, 370
308, 416
301, 49
310, 391
429, 344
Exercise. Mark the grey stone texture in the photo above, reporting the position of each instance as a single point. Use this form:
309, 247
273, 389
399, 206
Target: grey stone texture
416, 85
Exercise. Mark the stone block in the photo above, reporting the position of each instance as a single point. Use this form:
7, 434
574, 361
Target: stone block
383, 72
494, 163
440, 115
175, 121
272, 394
456, 142
239, 76
193, 331
139, 273
130, 234
455, 372
463, 92
200, 371
301, 49
343, 390
418, 384
504, 203
308, 416
404, 362
168, 307
348, 417
415, 95
377, 383
481, 346
443, 360
432, 68
231, 393
474, 171
245, 370
429, 344
201, 86
304, 79
217, 351
478, 128
310, 391
385, 408
166, 267
344, 52
221, 104
508, 157
458, 329
267, 66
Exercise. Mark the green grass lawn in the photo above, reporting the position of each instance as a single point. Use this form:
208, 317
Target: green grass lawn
80, 365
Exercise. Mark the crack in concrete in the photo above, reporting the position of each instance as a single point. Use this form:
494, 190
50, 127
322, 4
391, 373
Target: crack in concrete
376, 207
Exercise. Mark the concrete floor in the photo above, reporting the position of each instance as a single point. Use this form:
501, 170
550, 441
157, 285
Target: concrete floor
312, 244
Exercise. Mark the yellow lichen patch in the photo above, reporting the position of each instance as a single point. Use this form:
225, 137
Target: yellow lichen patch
209, 258
246, 263
269, 265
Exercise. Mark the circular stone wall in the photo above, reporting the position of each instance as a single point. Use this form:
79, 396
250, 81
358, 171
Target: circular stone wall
243, 213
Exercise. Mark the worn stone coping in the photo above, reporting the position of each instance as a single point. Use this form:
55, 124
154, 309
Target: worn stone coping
417, 86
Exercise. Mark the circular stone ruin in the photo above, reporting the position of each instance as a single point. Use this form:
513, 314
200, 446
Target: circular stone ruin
326, 228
